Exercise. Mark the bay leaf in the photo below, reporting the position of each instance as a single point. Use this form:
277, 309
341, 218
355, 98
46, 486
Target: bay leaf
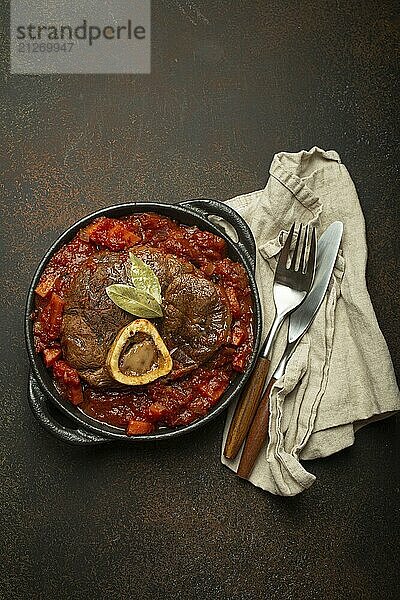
144, 278
134, 301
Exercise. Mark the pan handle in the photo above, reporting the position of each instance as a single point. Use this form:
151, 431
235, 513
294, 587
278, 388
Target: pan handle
220, 209
39, 406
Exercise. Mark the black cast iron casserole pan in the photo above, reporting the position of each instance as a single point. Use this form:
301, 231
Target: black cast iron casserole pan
84, 430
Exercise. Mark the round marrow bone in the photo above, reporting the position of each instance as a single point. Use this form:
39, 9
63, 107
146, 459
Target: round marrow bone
138, 355
139, 358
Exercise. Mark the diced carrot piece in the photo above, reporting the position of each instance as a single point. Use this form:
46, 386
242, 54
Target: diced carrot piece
178, 246
212, 245
51, 317
199, 406
233, 302
157, 410
70, 380
139, 427
119, 238
239, 335
215, 387
50, 355
215, 392
45, 286
75, 394
239, 362
88, 231
56, 311
65, 373
111, 234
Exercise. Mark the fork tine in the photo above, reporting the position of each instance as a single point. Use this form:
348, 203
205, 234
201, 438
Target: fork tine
311, 255
302, 263
296, 249
285, 250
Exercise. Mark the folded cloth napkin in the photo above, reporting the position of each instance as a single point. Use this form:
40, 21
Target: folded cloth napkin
331, 387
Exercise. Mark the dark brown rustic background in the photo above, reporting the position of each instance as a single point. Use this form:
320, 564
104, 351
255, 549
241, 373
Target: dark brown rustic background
232, 83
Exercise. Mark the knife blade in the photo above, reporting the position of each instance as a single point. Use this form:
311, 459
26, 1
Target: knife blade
299, 323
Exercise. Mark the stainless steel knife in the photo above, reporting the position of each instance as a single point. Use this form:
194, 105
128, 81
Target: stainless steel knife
300, 321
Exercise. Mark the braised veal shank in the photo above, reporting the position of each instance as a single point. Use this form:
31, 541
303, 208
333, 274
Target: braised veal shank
196, 318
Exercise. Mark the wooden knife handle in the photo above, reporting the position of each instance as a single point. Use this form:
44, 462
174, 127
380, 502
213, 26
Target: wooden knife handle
257, 435
246, 408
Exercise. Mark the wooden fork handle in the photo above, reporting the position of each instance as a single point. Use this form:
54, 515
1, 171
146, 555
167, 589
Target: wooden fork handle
246, 408
257, 435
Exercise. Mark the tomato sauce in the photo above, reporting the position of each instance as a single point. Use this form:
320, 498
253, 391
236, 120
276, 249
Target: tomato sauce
143, 409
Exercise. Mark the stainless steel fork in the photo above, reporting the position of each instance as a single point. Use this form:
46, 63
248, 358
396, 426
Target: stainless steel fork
292, 282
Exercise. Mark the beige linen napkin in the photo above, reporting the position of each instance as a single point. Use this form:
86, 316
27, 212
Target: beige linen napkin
332, 385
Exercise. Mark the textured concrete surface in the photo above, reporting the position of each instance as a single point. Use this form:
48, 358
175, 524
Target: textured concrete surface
232, 83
